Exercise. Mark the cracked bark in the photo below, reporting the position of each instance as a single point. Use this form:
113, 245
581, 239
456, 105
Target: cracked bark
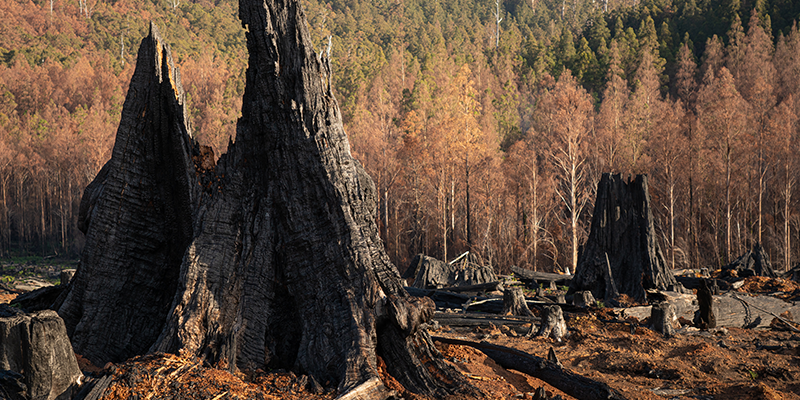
279, 264
621, 255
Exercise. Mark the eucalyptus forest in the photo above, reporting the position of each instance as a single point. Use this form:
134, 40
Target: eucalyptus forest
484, 125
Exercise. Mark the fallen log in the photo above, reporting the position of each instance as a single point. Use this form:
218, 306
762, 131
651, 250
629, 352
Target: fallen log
575, 385
730, 309
784, 320
480, 319
526, 274
458, 301
482, 287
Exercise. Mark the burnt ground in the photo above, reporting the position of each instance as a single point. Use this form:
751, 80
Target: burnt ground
727, 363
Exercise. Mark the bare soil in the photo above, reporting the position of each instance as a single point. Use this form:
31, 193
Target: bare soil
727, 363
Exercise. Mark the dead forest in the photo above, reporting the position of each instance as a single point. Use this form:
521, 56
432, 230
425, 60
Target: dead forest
268, 270
473, 147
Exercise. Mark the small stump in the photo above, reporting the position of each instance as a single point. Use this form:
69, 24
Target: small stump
704, 317
583, 299
662, 318
36, 346
514, 303
553, 324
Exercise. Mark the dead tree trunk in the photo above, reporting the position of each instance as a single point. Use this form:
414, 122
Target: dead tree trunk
137, 216
662, 318
704, 318
553, 324
514, 303
283, 266
621, 254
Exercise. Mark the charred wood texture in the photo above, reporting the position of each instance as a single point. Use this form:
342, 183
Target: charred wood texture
705, 318
137, 216
575, 385
514, 303
430, 273
621, 255
663, 318
753, 263
36, 346
553, 324
584, 298
274, 259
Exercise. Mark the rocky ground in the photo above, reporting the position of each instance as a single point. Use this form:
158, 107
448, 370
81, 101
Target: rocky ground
727, 363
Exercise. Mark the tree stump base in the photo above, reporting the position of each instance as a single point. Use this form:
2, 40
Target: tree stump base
36, 346
621, 255
553, 324
583, 299
704, 318
514, 303
663, 318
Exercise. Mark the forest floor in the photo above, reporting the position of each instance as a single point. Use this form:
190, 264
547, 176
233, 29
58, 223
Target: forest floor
727, 363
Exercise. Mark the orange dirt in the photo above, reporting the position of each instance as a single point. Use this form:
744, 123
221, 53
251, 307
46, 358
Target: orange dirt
786, 289
6, 297
728, 364
165, 376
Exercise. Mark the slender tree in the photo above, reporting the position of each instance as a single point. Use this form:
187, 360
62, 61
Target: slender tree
566, 114
723, 115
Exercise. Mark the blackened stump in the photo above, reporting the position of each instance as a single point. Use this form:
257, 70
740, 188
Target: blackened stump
137, 215
283, 266
621, 255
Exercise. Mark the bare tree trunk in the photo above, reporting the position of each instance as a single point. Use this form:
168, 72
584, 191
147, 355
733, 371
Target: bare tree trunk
5, 234
728, 216
787, 196
469, 213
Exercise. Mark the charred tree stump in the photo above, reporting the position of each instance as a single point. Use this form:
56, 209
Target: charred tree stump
514, 303
662, 318
430, 273
36, 346
269, 259
553, 324
621, 255
704, 318
583, 298
137, 217
753, 263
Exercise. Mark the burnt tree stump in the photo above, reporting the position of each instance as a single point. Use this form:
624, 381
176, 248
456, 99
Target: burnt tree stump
553, 324
36, 346
269, 259
430, 273
621, 255
514, 303
662, 318
584, 298
755, 262
704, 317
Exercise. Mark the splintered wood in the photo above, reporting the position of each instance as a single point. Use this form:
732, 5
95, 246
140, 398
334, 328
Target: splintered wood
164, 376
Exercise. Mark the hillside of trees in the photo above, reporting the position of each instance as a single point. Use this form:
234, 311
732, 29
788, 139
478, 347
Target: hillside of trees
485, 125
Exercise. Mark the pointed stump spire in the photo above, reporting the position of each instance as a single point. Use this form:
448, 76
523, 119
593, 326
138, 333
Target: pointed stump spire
283, 266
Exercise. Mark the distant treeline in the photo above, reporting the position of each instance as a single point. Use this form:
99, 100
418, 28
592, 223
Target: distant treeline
484, 125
